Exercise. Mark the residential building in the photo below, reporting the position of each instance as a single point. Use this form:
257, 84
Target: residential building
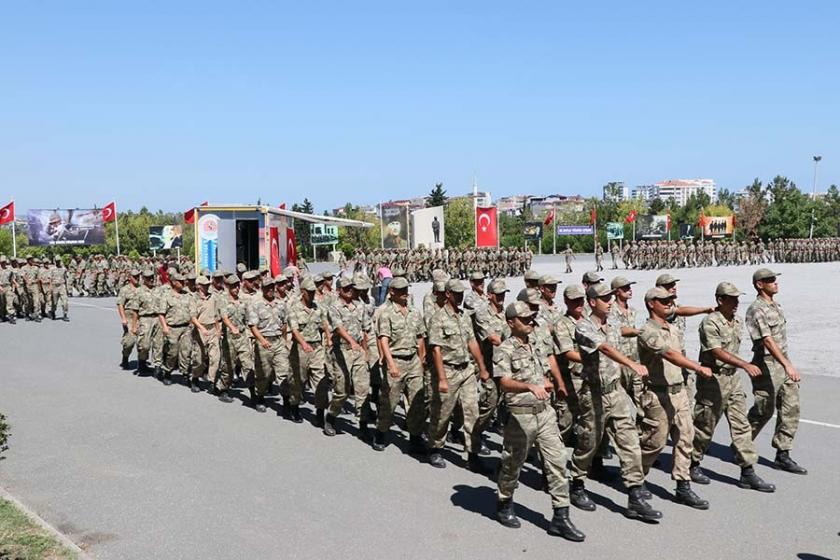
616, 191
644, 192
681, 189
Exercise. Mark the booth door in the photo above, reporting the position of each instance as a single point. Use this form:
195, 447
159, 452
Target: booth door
247, 243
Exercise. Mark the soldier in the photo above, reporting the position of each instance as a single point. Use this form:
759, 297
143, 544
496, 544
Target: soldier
307, 323
623, 316
532, 279
776, 390
147, 312
599, 257
174, 314
568, 256
615, 252
491, 329
266, 317
206, 334
237, 349
526, 388
475, 298
58, 287
665, 408
452, 343
8, 284
32, 285
400, 331
569, 362
720, 339
127, 307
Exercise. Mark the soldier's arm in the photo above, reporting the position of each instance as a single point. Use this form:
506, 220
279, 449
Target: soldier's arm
616, 356
714, 342
629, 332
776, 352
437, 359
690, 311
230, 326
678, 359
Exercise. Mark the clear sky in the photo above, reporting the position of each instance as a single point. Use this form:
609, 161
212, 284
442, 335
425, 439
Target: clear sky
167, 104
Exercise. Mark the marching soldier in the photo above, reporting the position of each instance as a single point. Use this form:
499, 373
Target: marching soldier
266, 317
147, 312
206, 334
307, 323
237, 349
174, 314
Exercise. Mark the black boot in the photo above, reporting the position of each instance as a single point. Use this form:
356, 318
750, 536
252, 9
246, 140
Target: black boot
158, 374
697, 474
785, 463
456, 437
379, 441
685, 495
224, 397
142, 367
167, 379
329, 425
12, 320
436, 459
52, 315
364, 432
259, 404
318, 420
506, 515
476, 465
195, 387
484, 451
416, 445
252, 394
294, 414
124, 362
754, 482
578, 496
66, 318
638, 508
562, 526
644, 492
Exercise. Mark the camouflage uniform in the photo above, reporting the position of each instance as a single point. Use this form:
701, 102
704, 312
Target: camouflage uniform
269, 317
308, 366
352, 371
237, 348
175, 309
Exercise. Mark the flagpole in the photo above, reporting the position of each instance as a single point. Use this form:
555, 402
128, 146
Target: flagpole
14, 234
117, 227
553, 230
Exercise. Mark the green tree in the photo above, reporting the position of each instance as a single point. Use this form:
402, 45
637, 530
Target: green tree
789, 211
727, 198
656, 206
437, 197
459, 218
302, 232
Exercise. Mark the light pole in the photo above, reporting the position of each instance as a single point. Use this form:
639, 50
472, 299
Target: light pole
814, 196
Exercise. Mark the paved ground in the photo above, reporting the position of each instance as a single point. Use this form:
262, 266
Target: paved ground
129, 468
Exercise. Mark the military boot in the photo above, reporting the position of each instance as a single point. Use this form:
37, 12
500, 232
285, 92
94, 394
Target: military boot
167, 379
562, 526
638, 508
416, 445
195, 386
578, 496
318, 419
259, 404
12, 320
754, 482
697, 474
785, 463
124, 362
364, 432
506, 515
685, 495
142, 367
66, 318
158, 373
436, 459
644, 492
294, 414
52, 315
379, 441
476, 465
225, 397
329, 425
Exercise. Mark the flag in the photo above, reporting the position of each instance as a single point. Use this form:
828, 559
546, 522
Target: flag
631, 217
282, 206
7, 213
274, 254
701, 221
109, 212
189, 215
549, 218
668, 221
733, 221
486, 234
593, 216
291, 247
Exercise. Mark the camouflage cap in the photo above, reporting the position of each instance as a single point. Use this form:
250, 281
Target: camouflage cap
591, 278
620, 282
202, 281
318, 278
657, 293
574, 291
598, 290
530, 296
205, 271
4, 259
232, 280
518, 309
268, 282
497, 286
439, 286
190, 277
362, 284
134, 272
345, 282
328, 275
241, 268
289, 273
308, 284
219, 274
399, 284
438, 274
664, 279
764, 274
397, 271
251, 275
477, 275
532, 275
175, 275
548, 279
727, 289
454, 285
148, 274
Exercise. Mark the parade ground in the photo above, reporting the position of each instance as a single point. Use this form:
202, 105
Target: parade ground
128, 468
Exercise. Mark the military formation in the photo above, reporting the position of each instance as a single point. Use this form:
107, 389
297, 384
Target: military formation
577, 374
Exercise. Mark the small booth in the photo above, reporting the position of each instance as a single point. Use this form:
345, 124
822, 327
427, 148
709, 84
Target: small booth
261, 237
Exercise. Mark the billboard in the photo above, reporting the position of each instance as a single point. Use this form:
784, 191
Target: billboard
533, 231
688, 231
615, 230
322, 234
66, 227
718, 226
208, 242
165, 237
428, 228
395, 227
651, 227
575, 230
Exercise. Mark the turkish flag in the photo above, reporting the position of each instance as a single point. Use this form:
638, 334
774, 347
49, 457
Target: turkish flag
549, 218
189, 215
593, 216
733, 220
109, 213
274, 250
486, 234
282, 206
631, 217
701, 221
668, 222
7, 213
291, 247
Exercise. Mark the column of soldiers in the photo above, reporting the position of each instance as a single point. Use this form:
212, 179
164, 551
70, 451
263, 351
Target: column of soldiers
586, 376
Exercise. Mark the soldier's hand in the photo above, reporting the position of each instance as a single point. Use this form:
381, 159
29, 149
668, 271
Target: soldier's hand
443, 386
307, 348
355, 346
640, 370
792, 373
234, 331
753, 370
165, 331
394, 372
705, 372
266, 344
483, 374
538, 391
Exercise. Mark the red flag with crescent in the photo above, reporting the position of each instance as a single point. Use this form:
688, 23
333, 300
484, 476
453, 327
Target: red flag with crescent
486, 232
7, 213
631, 217
549, 218
189, 215
701, 221
109, 212
274, 251
668, 222
291, 247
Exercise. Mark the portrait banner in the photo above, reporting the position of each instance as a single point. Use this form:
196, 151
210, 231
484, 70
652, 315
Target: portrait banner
718, 226
323, 234
533, 231
615, 230
165, 237
66, 227
651, 227
428, 228
395, 227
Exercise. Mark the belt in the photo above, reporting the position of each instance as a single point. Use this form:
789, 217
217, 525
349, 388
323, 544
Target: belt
724, 371
178, 326
456, 366
271, 336
528, 408
149, 315
610, 387
404, 357
670, 389
313, 342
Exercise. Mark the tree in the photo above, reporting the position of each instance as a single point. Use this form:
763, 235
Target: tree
656, 206
751, 209
789, 211
727, 198
302, 231
459, 218
437, 197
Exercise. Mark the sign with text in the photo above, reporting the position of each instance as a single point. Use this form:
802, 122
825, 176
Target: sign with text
574, 230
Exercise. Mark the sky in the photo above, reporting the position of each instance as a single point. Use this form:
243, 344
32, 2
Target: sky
168, 104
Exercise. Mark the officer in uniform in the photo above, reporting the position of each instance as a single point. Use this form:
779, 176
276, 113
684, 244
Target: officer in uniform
206, 334
532, 422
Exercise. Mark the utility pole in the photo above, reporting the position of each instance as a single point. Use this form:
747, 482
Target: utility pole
814, 196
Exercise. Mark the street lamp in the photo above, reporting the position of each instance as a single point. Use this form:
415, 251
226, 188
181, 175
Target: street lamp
814, 196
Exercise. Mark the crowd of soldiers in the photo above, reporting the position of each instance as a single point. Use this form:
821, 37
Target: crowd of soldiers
468, 361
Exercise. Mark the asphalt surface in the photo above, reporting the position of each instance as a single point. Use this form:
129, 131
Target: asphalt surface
129, 468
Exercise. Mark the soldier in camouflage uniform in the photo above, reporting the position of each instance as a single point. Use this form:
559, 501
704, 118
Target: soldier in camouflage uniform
266, 317
569, 361
491, 329
58, 284
175, 315
623, 316
306, 322
8, 283
237, 348
207, 331
147, 312
127, 308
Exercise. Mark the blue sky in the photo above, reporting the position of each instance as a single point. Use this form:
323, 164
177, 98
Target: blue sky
167, 104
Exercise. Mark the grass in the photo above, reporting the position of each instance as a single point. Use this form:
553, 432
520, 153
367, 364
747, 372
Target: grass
22, 539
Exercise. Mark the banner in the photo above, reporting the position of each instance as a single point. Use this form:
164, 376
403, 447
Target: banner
651, 227
574, 230
7, 213
688, 231
615, 230
291, 247
165, 237
66, 227
486, 229
718, 226
427, 228
533, 231
274, 251
208, 241
395, 227
322, 234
